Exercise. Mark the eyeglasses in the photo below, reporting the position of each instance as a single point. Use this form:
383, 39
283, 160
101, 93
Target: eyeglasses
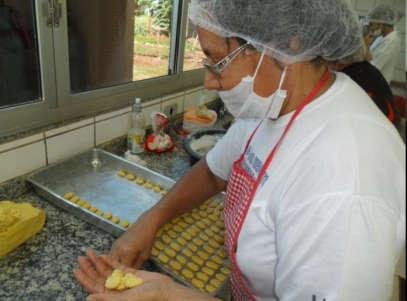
220, 66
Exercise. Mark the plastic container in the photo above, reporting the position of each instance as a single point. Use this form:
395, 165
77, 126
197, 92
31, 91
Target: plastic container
137, 132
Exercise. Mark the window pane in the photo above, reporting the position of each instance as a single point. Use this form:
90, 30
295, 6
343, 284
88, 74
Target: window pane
117, 42
193, 55
19, 63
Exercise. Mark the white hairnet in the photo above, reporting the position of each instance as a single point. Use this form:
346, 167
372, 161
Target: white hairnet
288, 30
385, 13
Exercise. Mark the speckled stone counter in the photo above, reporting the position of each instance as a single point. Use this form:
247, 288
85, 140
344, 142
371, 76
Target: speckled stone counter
41, 268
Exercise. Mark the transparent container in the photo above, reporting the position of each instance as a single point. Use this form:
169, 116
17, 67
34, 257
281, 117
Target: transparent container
137, 131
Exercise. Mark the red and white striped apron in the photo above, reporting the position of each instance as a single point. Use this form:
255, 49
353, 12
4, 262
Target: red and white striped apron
240, 192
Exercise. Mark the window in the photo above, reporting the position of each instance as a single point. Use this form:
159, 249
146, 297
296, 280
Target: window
19, 66
193, 53
70, 58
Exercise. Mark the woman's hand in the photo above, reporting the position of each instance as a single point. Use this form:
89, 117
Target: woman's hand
94, 270
133, 247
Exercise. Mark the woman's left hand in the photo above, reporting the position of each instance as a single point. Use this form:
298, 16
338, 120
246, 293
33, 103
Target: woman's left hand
93, 271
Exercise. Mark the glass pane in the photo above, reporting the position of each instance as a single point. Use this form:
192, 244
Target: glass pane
193, 55
19, 64
117, 42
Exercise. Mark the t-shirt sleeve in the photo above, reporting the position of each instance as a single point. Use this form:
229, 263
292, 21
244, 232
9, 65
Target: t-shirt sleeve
336, 247
220, 159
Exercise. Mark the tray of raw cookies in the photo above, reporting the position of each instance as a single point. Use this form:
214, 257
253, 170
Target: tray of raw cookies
101, 188
111, 193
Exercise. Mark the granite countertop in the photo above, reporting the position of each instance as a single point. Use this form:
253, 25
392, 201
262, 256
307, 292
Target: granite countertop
41, 268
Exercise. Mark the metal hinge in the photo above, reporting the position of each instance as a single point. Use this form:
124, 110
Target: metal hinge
54, 13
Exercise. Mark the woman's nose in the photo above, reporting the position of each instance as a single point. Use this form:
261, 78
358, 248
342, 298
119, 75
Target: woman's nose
211, 81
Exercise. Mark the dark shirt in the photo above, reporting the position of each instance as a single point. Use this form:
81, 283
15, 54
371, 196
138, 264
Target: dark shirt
370, 79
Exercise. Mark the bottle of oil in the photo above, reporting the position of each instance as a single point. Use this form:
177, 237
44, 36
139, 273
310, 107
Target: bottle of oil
137, 132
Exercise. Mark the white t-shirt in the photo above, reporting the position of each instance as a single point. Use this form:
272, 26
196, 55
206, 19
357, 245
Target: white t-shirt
329, 220
386, 53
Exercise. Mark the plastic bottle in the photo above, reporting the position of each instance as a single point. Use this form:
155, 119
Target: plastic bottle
137, 132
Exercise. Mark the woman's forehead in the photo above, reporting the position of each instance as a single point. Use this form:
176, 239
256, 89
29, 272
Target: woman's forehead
213, 45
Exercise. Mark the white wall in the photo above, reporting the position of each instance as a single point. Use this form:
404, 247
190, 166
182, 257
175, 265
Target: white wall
364, 6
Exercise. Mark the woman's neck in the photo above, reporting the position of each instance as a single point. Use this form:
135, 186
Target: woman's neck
301, 80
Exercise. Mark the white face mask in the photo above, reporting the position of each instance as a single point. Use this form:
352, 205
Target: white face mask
242, 102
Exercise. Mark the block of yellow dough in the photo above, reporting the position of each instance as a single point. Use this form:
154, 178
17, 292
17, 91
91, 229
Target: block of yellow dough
220, 239
163, 258
155, 252
177, 228
116, 219
93, 209
172, 234
217, 259
157, 188
204, 237
175, 246
86, 205
107, 215
212, 265
208, 271
197, 260
125, 223
159, 245
187, 252
203, 255
199, 242
170, 252
214, 244
166, 238
193, 267
148, 185
181, 241
220, 277
69, 195
121, 286
210, 289
225, 270
215, 282
140, 181
75, 199
99, 212
131, 280
193, 247
208, 249
202, 276
188, 220
18, 222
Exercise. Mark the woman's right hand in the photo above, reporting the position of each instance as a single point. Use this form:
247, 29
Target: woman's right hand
133, 247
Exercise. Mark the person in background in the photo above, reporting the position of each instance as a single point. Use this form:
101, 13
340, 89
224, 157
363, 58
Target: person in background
386, 48
370, 79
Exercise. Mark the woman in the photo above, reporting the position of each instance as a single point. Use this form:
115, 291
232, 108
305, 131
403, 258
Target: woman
315, 205
386, 49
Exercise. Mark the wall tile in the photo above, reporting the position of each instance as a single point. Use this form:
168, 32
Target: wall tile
193, 99
66, 145
69, 127
20, 142
113, 114
22, 160
112, 128
176, 99
148, 110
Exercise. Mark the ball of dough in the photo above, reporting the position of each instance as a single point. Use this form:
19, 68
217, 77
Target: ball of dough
202, 276
131, 280
130, 177
114, 280
116, 219
175, 265
107, 215
99, 212
121, 173
188, 274
210, 289
93, 209
125, 223
197, 283
69, 195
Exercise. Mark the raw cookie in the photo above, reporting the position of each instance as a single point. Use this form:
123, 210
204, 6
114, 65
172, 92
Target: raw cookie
125, 224
69, 195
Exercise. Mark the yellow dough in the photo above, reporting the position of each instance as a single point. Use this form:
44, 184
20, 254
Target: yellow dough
220, 239
93, 209
172, 234
131, 280
193, 247
208, 271
125, 224
188, 220
116, 219
69, 195
196, 216
181, 241
215, 282
86, 205
193, 230
99, 212
177, 228
201, 225
183, 224
140, 181
220, 277
118, 281
80, 202
148, 185
204, 237
155, 252
187, 252
208, 249
203, 213
186, 235
107, 215
121, 173
159, 245
166, 238
75, 199
175, 246
175, 265
170, 252
187, 274
212, 265
130, 177
163, 258
225, 270
163, 192
157, 188
203, 255
197, 283
209, 232
217, 259
214, 244
202, 276
181, 259
197, 260
222, 253
193, 267
199, 242
210, 289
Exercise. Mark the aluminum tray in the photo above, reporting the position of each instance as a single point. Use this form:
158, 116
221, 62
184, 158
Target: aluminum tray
93, 176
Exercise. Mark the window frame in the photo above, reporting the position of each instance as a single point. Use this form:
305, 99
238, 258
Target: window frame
58, 104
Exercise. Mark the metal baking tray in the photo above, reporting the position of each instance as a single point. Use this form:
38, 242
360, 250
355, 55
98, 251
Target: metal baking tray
93, 176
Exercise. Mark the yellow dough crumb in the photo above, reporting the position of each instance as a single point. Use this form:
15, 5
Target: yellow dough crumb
172, 234
199, 242
181, 241
217, 259
202, 276
159, 245
107, 215
188, 274
131, 280
188, 220
187, 252
68, 195
225, 270
140, 181
193, 247
197, 283
86, 204
116, 219
125, 224
222, 253
148, 185
208, 249
214, 244
201, 225
75, 200
157, 188
93, 209
99, 212
114, 280
166, 238
130, 177
186, 235
204, 237
121, 173
177, 228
